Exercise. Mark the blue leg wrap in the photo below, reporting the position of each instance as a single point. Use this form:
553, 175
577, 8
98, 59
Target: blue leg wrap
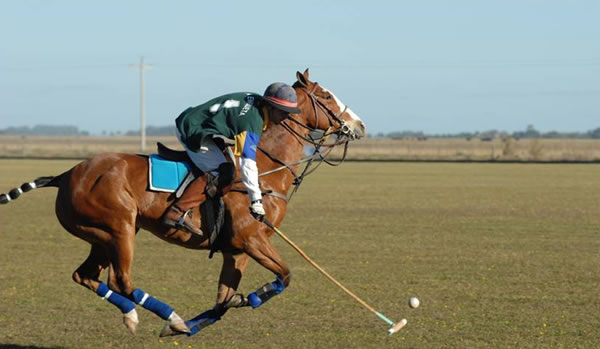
201, 321
121, 302
268, 291
154, 305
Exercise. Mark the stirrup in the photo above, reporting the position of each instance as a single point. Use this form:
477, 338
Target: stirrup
181, 224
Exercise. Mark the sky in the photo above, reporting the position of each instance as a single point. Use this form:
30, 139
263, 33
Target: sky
434, 66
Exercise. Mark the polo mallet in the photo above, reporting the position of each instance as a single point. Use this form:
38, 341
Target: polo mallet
395, 326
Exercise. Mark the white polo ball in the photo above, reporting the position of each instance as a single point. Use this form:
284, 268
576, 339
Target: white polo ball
413, 302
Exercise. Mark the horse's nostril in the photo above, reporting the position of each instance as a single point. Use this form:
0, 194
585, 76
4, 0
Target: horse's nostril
360, 129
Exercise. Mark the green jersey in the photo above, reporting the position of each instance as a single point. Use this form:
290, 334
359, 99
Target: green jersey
235, 116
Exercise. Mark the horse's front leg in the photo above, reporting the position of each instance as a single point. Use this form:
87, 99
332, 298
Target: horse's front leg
260, 249
232, 270
229, 281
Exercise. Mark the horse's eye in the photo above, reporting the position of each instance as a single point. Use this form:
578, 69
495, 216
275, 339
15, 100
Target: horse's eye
327, 97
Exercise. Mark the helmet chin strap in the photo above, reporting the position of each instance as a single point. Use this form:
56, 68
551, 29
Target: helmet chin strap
266, 117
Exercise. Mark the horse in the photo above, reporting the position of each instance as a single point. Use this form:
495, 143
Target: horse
105, 201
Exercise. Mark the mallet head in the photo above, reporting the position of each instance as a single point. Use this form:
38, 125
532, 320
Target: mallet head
397, 327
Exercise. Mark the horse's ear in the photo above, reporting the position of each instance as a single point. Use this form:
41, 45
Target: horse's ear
302, 78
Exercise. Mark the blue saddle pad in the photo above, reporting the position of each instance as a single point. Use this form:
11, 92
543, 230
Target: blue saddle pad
166, 175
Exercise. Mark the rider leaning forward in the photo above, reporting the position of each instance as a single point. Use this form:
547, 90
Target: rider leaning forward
237, 118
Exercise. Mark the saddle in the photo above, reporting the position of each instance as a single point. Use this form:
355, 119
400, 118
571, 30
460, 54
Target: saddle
212, 210
172, 154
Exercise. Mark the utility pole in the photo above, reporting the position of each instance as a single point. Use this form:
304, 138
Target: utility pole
142, 67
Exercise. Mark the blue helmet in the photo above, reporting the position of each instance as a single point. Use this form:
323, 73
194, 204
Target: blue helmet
282, 96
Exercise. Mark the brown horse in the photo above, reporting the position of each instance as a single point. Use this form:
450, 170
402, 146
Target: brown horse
105, 201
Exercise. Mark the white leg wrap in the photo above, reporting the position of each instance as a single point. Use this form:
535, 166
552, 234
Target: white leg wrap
107, 294
132, 315
144, 299
32, 184
174, 318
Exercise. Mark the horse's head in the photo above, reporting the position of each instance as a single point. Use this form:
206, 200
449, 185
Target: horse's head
322, 110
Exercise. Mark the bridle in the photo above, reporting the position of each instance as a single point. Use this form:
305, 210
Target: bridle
343, 132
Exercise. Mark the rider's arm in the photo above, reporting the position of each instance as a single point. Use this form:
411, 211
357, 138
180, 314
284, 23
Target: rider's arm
250, 178
245, 145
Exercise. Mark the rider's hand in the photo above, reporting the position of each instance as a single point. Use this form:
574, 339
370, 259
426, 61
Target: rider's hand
257, 210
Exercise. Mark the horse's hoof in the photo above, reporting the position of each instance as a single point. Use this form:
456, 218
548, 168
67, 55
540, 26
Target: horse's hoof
180, 327
174, 326
167, 331
170, 330
130, 320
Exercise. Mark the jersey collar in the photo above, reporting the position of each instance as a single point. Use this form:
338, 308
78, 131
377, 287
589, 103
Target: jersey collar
265, 115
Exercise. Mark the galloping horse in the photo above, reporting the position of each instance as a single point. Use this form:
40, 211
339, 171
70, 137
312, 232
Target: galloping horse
105, 201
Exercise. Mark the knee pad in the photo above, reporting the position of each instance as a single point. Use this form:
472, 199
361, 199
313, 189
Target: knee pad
226, 174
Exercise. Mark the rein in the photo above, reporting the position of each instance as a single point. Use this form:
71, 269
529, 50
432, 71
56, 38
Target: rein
317, 156
344, 133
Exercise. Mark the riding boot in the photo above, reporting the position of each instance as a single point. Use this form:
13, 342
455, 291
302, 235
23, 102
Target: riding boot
179, 215
217, 186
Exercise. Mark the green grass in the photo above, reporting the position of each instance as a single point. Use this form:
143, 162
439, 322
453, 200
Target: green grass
501, 256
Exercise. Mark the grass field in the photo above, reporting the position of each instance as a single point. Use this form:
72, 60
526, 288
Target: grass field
500, 255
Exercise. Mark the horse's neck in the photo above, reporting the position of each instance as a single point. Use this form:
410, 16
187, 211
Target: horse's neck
286, 147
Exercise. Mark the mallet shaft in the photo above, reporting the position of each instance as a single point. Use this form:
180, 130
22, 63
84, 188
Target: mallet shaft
329, 277
395, 326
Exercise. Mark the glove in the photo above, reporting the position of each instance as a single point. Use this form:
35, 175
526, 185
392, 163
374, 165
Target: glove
257, 210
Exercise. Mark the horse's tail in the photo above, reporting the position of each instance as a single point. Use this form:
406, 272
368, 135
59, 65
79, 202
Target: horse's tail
49, 181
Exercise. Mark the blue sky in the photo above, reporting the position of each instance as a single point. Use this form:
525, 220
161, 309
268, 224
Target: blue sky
432, 66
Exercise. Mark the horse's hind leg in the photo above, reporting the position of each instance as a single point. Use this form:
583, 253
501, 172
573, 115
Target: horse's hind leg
88, 275
121, 257
89, 271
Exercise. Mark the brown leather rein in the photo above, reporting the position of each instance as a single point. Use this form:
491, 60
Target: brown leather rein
344, 133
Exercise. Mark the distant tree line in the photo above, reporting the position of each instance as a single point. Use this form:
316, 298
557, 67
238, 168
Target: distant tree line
529, 132
44, 130
67, 130
154, 131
